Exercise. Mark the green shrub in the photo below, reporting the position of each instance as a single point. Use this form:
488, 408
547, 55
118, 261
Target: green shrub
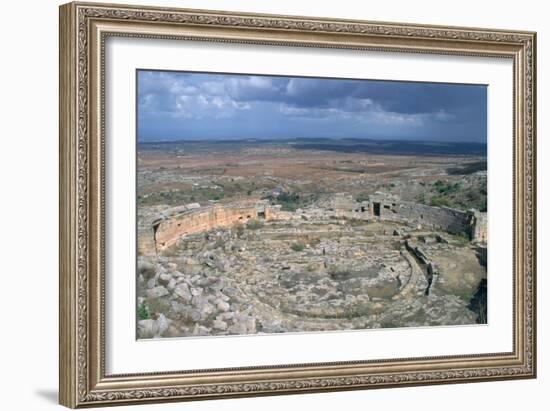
443, 187
438, 201
142, 312
288, 201
483, 205
298, 246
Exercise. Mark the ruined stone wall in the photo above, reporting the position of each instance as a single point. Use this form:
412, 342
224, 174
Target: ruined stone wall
145, 240
387, 207
168, 228
390, 207
171, 230
175, 223
443, 218
478, 226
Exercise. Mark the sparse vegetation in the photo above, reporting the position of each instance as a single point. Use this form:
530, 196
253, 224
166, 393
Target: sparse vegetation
477, 197
456, 194
292, 200
468, 168
254, 224
298, 246
462, 239
184, 193
181, 196
444, 187
439, 201
288, 201
142, 312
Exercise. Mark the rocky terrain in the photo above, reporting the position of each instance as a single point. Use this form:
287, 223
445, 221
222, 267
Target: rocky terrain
316, 247
307, 276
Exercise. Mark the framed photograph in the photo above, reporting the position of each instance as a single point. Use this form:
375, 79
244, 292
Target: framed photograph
259, 204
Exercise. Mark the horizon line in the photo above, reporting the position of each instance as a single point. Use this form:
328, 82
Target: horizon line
217, 139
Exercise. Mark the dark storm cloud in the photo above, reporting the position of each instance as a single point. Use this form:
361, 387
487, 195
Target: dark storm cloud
204, 105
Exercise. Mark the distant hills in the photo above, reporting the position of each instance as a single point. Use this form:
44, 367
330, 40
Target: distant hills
397, 147
341, 145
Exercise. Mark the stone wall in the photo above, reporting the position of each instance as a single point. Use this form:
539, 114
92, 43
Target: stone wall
443, 218
478, 226
146, 240
169, 231
168, 228
472, 222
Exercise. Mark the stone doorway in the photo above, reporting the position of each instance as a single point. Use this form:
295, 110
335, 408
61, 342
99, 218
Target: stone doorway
376, 209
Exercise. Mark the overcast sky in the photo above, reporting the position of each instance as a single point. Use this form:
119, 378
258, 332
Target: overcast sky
181, 105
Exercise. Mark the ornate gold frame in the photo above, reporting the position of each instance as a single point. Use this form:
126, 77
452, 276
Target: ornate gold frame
83, 30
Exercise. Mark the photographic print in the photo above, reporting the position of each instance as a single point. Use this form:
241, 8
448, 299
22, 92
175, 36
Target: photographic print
276, 186
275, 204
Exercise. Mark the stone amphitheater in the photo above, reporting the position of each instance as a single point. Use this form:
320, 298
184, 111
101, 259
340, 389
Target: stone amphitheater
338, 264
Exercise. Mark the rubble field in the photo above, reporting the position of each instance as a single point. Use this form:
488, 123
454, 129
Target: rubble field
298, 275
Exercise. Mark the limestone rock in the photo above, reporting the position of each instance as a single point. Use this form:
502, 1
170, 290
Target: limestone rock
147, 328
201, 330
182, 291
219, 325
162, 324
157, 292
146, 269
223, 306
164, 278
